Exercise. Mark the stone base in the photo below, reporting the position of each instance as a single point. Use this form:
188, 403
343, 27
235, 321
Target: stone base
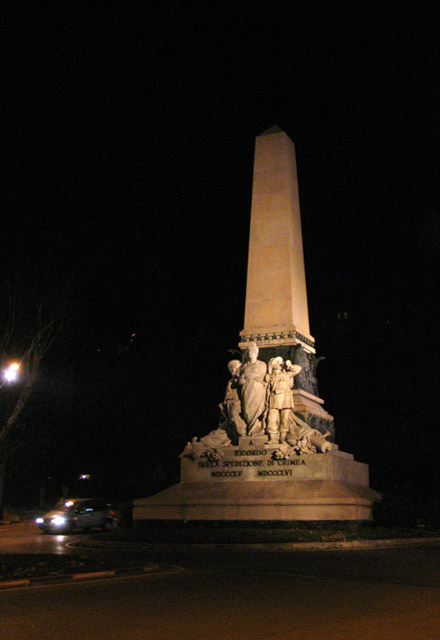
307, 402
248, 482
310, 409
282, 500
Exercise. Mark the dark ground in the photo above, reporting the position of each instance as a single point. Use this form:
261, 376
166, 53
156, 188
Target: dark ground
131, 554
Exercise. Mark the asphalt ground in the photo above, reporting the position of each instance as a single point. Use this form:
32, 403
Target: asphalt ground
28, 570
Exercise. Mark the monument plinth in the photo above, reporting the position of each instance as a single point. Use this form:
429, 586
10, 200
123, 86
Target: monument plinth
251, 484
273, 455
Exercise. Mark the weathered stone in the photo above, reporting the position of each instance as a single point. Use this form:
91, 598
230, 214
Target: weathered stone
298, 473
276, 297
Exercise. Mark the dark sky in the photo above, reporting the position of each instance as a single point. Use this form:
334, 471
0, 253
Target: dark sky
129, 135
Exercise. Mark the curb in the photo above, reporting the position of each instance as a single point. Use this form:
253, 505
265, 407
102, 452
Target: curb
265, 546
354, 544
84, 577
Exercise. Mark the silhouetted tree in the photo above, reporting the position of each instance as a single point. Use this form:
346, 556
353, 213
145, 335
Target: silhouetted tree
27, 331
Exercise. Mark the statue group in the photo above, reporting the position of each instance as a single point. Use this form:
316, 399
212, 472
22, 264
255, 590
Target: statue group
259, 397
259, 401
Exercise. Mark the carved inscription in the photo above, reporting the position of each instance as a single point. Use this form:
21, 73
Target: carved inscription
243, 463
250, 452
275, 472
249, 464
226, 474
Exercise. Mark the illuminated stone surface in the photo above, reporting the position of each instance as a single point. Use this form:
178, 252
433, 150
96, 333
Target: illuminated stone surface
233, 473
276, 294
246, 482
263, 500
255, 464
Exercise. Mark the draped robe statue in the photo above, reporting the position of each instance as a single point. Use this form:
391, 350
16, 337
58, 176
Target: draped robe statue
253, 392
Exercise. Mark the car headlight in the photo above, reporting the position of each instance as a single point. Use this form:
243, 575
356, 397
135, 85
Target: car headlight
58, 520
39, 520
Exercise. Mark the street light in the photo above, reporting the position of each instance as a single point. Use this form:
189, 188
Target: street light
10, 374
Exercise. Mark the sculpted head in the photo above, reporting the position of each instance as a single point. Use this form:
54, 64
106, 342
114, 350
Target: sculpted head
253, 352
277, 363
234, 366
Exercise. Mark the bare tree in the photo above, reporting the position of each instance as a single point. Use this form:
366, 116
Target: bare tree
28, 339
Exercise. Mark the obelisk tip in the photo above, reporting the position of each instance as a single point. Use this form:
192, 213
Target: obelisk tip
273, 129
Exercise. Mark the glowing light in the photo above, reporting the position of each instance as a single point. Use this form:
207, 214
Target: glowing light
11, 373
39, 520
58, 520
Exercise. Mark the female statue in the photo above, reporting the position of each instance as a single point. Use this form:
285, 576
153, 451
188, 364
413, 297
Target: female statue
253, 392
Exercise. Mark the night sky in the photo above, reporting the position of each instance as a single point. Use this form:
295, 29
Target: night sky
129, 136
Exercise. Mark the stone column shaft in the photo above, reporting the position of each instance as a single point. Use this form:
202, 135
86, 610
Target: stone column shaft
276, 311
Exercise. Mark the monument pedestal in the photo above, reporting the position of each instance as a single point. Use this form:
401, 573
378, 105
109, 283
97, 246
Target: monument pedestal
311, 410
308, 403
248, 482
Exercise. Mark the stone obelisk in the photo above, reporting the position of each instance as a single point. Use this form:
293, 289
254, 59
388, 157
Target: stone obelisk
276, 311
254, 478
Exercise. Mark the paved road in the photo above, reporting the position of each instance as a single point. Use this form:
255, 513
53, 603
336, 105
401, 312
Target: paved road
242, 595
27, 538
248, 596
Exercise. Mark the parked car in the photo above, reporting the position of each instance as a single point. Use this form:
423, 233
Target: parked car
78, 514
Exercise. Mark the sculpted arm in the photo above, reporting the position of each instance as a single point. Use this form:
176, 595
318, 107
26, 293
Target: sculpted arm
293, 370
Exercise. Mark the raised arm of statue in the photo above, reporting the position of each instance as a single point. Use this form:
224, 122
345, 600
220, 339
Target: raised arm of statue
293, 370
